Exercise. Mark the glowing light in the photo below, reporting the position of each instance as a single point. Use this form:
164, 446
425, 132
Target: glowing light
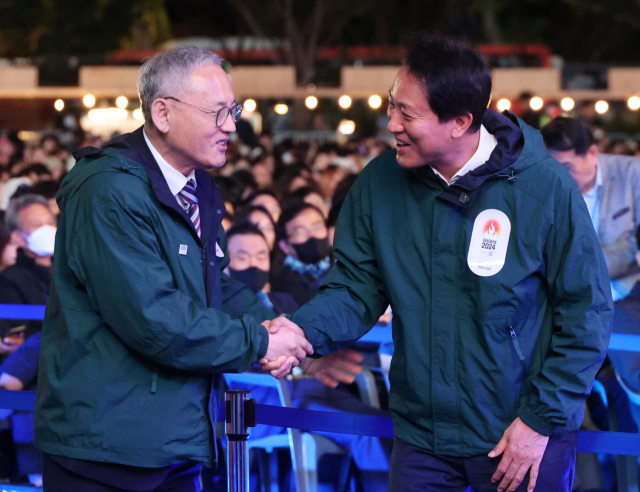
567, 104
347, 127
344, 102
375, 101
122, 102
281, 109
89, 100
311, 102
59, 104
137, 114
536, 103
634, 103
602, 107
26, 136
504, 105
250, 105
104, 114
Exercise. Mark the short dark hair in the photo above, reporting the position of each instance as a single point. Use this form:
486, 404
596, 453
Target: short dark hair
291, 212
298, 196
563, 133
244, 227
456, 79
243, 213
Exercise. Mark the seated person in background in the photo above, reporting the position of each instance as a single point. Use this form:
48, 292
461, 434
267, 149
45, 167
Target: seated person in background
610, 185
259, 217
33, 229
250, 263
626, 320
20, 369
266, 199
308, 195
305, 242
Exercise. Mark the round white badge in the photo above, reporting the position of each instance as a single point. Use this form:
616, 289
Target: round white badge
489, 242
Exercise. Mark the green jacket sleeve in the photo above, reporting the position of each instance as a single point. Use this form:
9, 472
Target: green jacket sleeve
352, 298
582, 307
117, 258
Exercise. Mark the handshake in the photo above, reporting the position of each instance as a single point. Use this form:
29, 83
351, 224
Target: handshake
289, 347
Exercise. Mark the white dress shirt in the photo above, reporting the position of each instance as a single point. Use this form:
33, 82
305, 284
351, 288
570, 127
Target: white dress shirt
485, 146
174, 178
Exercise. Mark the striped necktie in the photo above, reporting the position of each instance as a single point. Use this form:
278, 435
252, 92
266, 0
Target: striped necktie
188, 194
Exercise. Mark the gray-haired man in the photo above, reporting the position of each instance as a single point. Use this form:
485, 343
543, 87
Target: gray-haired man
140, 318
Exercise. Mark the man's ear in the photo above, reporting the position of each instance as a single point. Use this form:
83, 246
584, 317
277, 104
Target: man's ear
160, 115
593, 152
286, 248
461, 124
17, 239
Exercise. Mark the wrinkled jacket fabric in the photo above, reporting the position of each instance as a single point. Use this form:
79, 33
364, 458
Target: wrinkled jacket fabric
134, 329
472, 353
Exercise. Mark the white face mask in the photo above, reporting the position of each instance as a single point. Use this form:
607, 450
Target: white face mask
42, 240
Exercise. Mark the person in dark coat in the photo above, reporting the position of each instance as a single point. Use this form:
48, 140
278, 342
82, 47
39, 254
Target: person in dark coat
140, 321
483, 245
305, 243
28, 281
249, 263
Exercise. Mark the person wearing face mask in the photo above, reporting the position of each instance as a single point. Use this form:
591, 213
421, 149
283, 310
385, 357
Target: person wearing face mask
32, 226
305, 242
249, 263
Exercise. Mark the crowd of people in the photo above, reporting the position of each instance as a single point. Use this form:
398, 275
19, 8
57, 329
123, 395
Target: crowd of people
282, 200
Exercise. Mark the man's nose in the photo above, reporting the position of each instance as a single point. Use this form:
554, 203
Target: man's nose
229, 126
394, 125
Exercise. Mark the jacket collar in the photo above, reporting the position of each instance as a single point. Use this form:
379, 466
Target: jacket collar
133, 146
505, 127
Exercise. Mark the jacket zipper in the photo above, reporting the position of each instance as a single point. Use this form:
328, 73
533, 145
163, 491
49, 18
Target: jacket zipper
154, 382
516, 344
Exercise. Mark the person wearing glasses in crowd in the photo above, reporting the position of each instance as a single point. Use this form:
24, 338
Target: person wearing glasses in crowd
305, 242
140, 319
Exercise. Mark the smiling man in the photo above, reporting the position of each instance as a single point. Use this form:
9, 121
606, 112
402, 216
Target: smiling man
483, 246
137, 324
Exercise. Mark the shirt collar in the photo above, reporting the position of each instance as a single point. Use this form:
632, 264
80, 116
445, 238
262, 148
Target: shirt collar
175, 179
486, 145
594, 190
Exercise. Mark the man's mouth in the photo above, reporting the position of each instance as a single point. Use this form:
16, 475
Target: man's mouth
400, 143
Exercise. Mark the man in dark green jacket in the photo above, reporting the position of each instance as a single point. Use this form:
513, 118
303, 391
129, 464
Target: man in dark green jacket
140, 318
483, 246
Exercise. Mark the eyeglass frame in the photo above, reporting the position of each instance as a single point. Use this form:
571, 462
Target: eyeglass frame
209, 112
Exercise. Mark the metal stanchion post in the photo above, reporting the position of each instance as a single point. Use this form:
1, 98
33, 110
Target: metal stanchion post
240, 415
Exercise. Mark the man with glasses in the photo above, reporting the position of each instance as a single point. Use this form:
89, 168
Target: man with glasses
305, 241
138, 323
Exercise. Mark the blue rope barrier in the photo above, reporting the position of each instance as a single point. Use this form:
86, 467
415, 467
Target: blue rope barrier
17, 400
362, 425
340, 423
22, 311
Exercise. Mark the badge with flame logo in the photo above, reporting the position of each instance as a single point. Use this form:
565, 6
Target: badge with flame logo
489, 242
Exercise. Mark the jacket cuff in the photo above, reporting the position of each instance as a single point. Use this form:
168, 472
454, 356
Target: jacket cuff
309, 332
264, 342
533, 421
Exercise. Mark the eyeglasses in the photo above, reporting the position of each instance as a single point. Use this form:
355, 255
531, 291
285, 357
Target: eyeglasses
221, 115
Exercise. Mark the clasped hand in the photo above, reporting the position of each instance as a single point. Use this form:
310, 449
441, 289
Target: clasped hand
340, 367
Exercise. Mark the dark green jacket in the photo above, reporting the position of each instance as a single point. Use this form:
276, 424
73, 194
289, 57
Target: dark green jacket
134, 330
472, 352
